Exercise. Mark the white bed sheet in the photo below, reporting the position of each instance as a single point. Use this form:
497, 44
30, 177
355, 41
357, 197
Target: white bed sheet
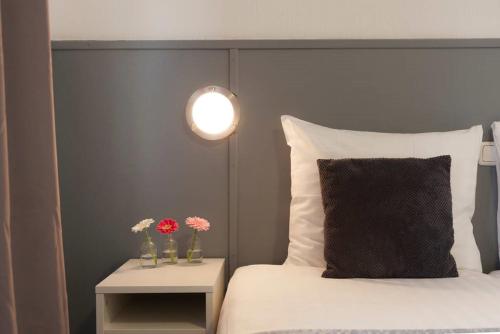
293, 299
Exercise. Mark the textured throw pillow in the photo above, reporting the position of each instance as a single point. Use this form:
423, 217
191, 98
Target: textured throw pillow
387, 218
310, 142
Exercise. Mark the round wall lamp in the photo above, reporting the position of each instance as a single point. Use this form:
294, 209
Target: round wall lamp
213, 112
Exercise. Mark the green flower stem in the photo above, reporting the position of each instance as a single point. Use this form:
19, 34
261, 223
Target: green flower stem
191, 249
171, 248
151, 249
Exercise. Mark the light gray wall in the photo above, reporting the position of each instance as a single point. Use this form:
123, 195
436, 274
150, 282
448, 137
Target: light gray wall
125, 151
279, 19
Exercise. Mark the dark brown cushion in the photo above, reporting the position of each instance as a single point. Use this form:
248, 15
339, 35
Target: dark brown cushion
387, 218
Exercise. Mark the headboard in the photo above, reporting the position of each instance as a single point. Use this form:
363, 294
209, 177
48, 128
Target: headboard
125, 151
374, 88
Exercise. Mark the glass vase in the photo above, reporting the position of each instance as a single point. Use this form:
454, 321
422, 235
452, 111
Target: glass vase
194, 252
149, 254
170, 251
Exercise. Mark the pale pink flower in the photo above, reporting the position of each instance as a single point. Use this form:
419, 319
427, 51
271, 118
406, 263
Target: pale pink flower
197, 223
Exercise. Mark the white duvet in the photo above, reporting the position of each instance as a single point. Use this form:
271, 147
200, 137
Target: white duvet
293, 299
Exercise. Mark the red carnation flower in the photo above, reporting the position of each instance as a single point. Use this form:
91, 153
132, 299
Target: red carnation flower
167, 226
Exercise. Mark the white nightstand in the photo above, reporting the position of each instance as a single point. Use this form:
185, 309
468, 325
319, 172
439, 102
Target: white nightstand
182, 298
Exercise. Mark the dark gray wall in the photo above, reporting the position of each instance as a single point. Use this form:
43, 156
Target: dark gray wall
125, 152
389, 90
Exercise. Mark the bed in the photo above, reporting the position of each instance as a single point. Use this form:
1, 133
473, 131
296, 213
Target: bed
296, 299
408, 262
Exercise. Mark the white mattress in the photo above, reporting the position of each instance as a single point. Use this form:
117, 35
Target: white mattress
292, 299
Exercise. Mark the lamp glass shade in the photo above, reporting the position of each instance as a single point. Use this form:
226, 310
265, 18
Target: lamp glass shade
212, 112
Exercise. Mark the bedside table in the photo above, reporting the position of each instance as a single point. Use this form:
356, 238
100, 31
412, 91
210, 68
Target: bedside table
183, 298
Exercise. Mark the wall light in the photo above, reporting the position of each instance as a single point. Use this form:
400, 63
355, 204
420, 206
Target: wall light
213, 112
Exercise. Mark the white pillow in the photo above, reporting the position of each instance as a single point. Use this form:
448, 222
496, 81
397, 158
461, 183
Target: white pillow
310, 142
496, 135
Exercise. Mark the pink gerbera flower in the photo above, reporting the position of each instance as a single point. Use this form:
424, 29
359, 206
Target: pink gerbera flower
197, 223
167, 226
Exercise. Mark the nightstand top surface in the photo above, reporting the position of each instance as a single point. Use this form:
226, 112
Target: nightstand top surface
179, 278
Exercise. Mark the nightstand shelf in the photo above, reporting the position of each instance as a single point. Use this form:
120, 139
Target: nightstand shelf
183, 298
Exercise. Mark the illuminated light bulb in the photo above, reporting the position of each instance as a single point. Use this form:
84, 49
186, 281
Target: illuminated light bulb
212, 112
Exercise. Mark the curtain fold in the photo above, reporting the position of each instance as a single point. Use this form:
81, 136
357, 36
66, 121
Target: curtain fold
7, 300
33, 295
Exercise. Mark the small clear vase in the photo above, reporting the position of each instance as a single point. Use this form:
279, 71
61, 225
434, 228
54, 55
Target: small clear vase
149, 254
194, 252
170, 251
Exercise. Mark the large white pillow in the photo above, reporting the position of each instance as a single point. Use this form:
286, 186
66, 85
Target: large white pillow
496, 135
310, 142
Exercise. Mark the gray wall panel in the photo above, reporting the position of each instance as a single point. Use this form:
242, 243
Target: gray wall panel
393, 90
125, 153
